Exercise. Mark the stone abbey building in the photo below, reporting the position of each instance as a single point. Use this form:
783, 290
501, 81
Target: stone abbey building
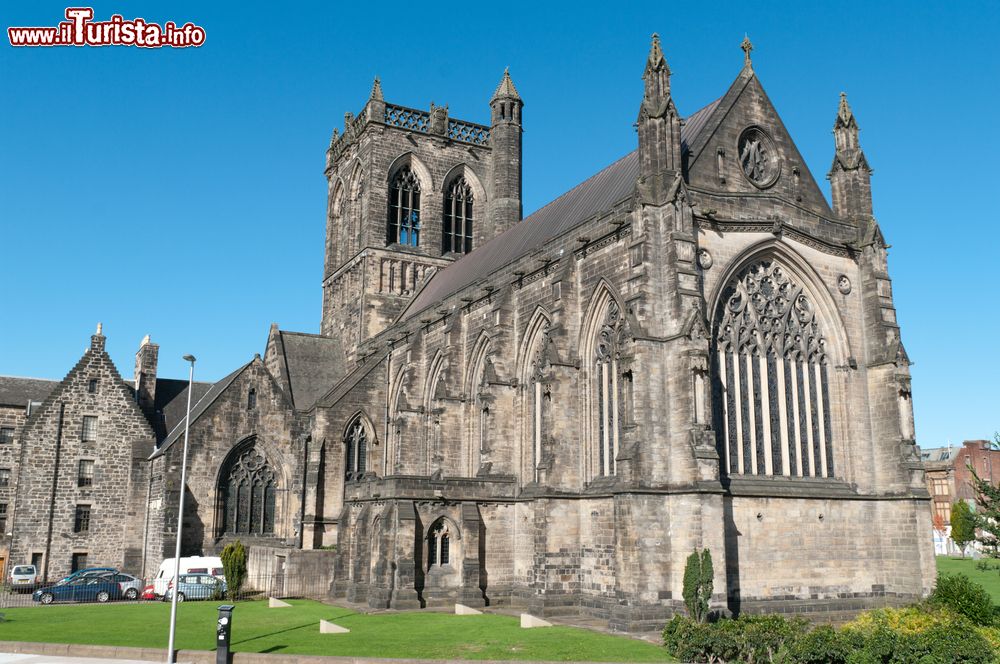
692, 348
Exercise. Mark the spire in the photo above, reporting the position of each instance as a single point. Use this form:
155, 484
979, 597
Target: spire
377, 90
100, 327
845, 127
657, 72
850, 174
746, 46
506, 87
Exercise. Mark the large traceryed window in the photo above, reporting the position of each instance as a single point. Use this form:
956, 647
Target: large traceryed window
771, 390
356, 450
247, 493
456, 232
608, 388
404, 209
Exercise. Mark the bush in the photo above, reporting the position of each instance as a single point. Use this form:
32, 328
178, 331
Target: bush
963, 596
823, 645
936, 636
697, 589
752, 639
234, 566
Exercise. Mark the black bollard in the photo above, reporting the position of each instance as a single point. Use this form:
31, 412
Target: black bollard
222, 632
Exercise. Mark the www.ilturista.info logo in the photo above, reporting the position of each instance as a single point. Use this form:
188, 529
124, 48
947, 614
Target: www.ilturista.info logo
81, 30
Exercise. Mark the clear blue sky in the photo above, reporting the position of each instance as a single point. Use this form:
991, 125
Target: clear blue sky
180, 193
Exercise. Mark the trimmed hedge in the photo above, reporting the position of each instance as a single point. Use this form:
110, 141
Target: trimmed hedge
963, 596
897, 636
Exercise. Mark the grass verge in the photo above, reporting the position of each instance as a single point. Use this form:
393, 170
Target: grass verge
296, 631
989, 579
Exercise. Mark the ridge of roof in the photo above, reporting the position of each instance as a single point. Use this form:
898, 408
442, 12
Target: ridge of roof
598, 193
198, 409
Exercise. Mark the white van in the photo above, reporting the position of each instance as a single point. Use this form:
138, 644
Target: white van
191, 565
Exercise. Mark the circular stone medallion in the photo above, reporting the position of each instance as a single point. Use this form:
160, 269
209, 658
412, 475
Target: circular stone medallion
704, 259
843, 284
758, 157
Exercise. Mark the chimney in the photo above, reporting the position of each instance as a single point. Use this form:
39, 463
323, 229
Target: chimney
97, 340
145, 374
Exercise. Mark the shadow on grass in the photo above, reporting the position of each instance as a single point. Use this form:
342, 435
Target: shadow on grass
287, 629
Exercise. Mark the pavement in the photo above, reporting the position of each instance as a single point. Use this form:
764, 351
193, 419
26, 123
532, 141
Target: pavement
10, 658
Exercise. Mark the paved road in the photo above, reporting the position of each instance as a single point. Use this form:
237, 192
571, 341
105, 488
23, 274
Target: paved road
7, 658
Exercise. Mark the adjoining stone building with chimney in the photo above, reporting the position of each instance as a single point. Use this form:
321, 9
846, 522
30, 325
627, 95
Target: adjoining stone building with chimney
689, 349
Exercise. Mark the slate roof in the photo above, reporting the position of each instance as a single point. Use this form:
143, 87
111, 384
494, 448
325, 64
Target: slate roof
16, 391
314, 363
597, 194
939, 454
350, 380
196, 409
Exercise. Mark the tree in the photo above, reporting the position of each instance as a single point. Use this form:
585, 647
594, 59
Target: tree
698, 574
234, 566
987, 517
963, 525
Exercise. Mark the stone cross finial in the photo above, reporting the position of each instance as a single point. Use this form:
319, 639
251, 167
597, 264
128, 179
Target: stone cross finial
746, 47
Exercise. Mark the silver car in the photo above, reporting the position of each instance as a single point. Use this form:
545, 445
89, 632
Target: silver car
131, 586
23, 578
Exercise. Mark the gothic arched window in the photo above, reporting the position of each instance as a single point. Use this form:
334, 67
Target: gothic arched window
356, 450
770, 377
608, 388
247, 488
404, 209
539, 361
252, 399
456, 234
439, 544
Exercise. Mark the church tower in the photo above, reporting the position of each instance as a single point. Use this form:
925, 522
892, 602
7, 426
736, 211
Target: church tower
410, 191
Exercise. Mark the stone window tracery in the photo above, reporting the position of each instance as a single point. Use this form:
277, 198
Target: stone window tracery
403, 225
247, 493
609, 387
771, 377
538, 397
439, 544
356, 450
456, 233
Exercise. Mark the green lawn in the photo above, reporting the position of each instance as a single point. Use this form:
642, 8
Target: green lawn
296, 631
989, 579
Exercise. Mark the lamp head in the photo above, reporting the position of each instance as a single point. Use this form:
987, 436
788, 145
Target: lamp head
189, 358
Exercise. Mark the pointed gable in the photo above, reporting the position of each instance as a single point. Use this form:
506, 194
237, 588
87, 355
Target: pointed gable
744, 118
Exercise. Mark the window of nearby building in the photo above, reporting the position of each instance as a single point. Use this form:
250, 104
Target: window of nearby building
356, 444
79, 562
439, 544
6, 435
89, 433
943, 512
251, 399
940, 487
85, 476
92, 386
403, 225
456, 233
3, 519
4, 477
81, 522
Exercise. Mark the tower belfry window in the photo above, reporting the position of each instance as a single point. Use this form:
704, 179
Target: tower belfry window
403, 225
456, 235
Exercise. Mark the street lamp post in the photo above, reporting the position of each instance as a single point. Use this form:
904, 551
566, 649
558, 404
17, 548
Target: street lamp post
180, 515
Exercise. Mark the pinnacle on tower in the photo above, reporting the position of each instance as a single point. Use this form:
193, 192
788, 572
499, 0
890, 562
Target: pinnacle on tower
657, 72
850, 174
506, 87
845, 127
377, 90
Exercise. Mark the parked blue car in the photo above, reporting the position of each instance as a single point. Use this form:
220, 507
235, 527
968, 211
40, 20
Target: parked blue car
196, 586
80, 589
90, 571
